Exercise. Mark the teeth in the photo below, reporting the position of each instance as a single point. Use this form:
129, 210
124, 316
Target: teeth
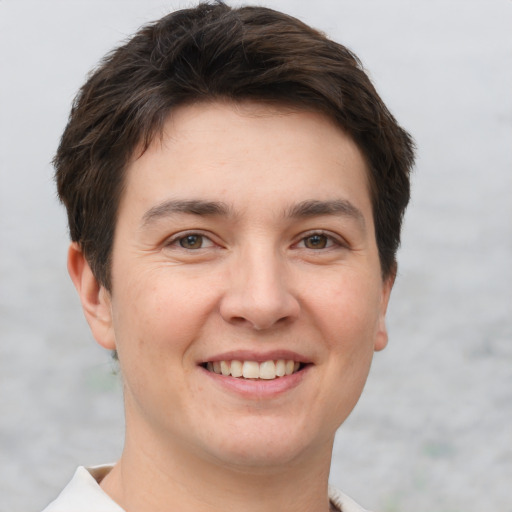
266, 370
236, 369
251, 370
280, 367
224, 368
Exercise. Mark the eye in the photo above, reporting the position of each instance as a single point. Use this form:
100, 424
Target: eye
193, 241
318, 241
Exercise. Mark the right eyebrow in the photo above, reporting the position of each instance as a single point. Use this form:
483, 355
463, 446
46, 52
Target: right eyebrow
335, 207
191, 207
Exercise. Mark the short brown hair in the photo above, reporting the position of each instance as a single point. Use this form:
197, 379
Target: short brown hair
214, 52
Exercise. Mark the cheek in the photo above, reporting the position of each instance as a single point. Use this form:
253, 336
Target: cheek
348, 311
159, 312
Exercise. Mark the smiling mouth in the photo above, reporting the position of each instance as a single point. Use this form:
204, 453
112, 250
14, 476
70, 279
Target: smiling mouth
266, 370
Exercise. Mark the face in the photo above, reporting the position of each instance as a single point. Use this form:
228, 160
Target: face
247, 296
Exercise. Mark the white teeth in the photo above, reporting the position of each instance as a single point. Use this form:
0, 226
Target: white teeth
236, 369
224, 368
251, 370
266, 370
280, 368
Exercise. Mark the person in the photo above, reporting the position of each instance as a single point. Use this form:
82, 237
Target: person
235, 189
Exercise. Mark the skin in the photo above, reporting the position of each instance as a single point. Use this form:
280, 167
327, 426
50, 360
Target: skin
282, 262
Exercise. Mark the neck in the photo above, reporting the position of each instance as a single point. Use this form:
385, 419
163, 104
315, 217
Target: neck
153, 477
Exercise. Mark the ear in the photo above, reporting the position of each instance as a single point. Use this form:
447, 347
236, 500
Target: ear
381, 338
94, 297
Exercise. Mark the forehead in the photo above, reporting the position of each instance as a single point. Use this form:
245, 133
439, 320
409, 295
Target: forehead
234, 150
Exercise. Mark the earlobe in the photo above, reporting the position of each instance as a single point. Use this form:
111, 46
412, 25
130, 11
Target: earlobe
381, 338
94, 297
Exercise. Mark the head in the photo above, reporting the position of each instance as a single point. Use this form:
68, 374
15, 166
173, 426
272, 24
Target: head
217, 53
235, 189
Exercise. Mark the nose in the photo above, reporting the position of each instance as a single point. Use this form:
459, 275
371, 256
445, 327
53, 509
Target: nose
259, 293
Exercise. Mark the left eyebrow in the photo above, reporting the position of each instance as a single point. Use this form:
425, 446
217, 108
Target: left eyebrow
336, 207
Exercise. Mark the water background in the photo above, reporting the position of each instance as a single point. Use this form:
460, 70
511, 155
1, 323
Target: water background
433, 431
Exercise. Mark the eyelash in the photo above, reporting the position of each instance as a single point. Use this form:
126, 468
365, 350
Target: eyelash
176, 241
331, 240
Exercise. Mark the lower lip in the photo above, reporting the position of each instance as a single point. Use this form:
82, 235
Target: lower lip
258, 388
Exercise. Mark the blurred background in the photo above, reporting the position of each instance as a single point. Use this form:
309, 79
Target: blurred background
433, 431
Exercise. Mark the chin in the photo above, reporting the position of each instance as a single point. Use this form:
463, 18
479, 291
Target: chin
269, 444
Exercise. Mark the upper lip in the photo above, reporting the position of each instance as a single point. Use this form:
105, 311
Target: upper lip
258, 356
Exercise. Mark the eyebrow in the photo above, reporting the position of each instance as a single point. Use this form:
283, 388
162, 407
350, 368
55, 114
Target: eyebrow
191, 207
304, 209
336, 207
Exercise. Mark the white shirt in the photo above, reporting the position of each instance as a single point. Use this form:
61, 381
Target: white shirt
84, 494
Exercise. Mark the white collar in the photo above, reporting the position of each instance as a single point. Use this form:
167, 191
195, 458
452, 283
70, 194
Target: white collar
83, 493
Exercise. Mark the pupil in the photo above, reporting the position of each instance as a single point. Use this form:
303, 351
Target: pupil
191, 242
316, 242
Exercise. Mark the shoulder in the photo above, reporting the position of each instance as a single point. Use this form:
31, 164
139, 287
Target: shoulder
342, 502
84, 494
